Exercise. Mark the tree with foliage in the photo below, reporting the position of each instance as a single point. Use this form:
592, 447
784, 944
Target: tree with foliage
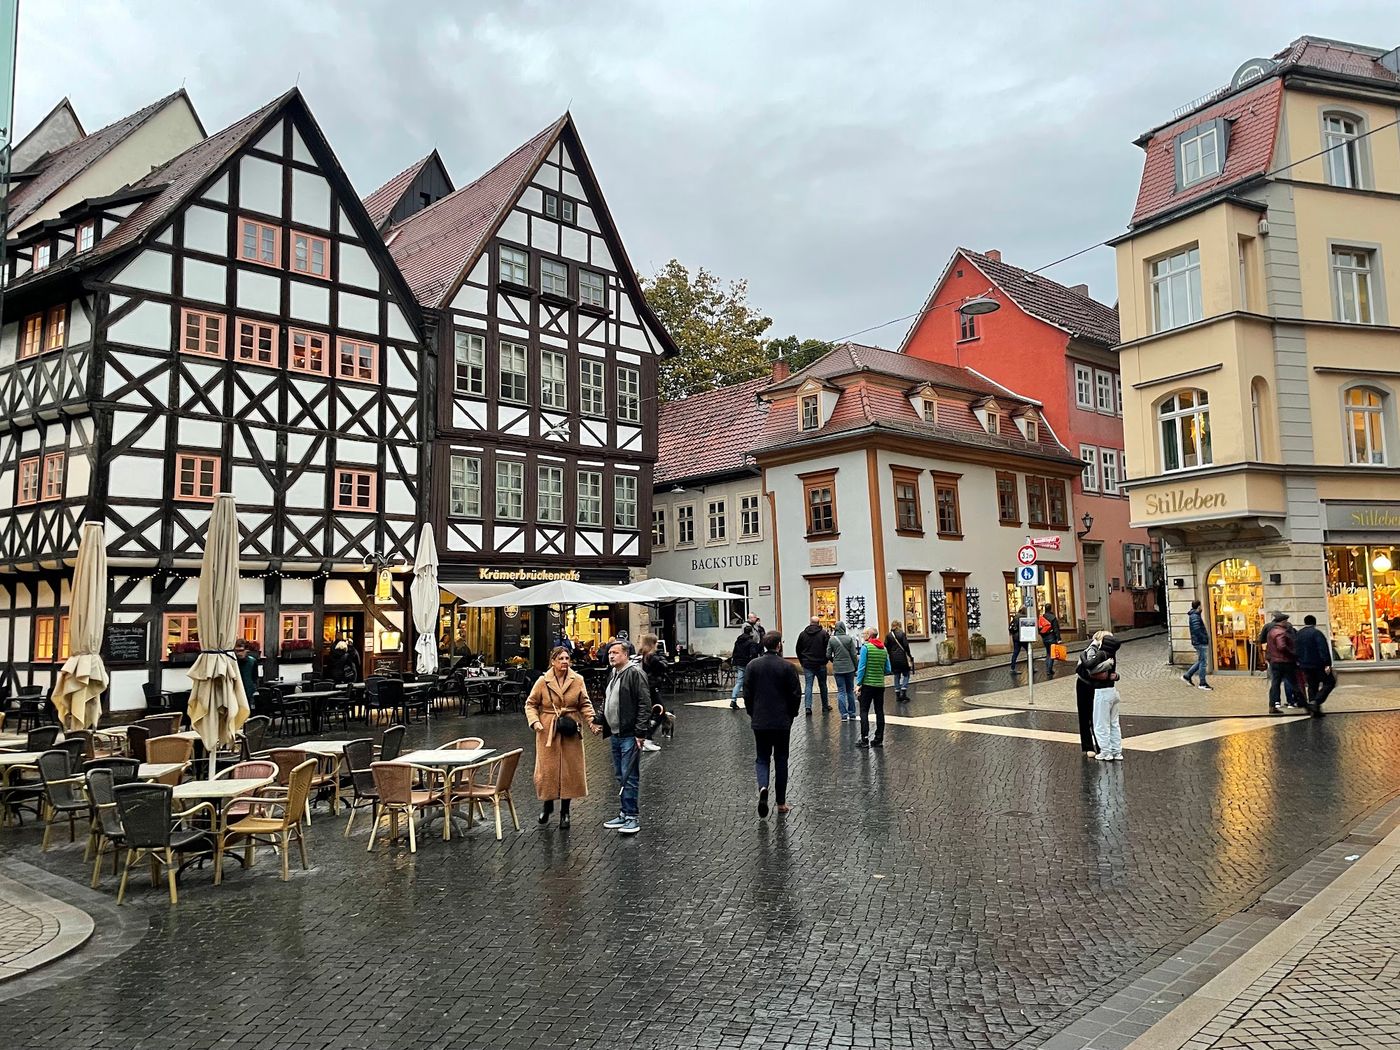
719, 334
798, 353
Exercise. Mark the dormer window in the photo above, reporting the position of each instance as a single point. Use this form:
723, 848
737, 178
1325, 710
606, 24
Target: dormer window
1200, 152
811, 412
993, 421
43, 255
86, 235
1032, 429
930, 410
558, 208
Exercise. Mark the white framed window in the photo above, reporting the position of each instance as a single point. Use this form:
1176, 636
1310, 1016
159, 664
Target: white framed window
1032, 429
1108, 465
86, 234
750, 521
1200, 155
811, 412
554, 384
43, 255
658, 528
510, 490
550, 498
464, 491
1176, 289
1089, 481
1135, 565
515, 372
1103, 391
1117, 394
1083, 386
591, 388
1351, 284
554, 277
1185, 425
591, 288
931, 410
1365, 420
590, 497
685, 525
629, 395
717, 521
1341, 138
514, 266
469, 363
625, 501
967, 327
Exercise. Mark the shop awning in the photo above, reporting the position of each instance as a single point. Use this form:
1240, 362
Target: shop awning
470, 592
656, 589
555, 592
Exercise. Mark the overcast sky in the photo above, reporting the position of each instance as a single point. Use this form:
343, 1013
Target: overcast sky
831, 153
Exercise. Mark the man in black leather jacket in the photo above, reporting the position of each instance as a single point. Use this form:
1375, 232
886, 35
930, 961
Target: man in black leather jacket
626, 717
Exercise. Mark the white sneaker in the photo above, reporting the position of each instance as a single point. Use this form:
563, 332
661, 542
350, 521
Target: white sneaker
647, 745
1104, 756
616, 823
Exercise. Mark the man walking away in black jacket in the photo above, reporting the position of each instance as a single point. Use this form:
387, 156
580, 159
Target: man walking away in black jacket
772, 695
811, 654
1314, 655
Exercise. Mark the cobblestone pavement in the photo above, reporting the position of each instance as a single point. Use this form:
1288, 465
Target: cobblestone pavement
954, 890
36, 929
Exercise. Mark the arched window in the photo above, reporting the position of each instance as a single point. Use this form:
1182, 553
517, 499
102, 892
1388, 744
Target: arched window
1185, 425
1345, 159
1259, 417
1365, 422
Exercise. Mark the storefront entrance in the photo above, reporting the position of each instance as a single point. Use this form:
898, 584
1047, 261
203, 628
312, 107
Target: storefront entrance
1236, 614
1056, 589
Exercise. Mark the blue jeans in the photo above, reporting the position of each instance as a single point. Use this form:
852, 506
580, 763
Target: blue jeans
846, 692
1202, 661
901, 681
738, 684
627, 768
819, 673
1016, 647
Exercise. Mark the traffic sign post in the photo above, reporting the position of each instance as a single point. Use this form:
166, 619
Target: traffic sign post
1026, 555
1027, 576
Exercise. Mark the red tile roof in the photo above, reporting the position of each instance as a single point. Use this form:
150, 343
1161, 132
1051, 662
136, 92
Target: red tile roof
848, 358
709, 433
64, 165
1052, 302
1253, 116
1339, 57
434, 246
381, 202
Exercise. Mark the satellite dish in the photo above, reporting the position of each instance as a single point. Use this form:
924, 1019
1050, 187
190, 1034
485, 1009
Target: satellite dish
1254, 69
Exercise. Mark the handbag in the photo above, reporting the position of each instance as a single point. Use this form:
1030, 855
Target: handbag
566, 726
1059, 652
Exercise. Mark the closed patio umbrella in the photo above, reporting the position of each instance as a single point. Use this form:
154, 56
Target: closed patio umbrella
77, 693
424, 592
218, 707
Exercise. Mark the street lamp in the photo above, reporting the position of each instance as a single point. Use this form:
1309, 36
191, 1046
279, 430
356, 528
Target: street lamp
1088, 523
977, 305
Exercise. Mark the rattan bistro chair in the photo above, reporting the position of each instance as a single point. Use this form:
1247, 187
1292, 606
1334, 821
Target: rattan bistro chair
391, 743
63, 794
397, 795
273, 830
494, 787
41, 738
164, 749
106, 832
359, 757
150, 828
123, 770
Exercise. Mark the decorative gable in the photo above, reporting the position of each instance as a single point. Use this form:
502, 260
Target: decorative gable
924, 401
815, 403
990, 414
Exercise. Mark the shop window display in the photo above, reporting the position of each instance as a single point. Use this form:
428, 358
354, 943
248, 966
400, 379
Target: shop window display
1363, 603
1237, 614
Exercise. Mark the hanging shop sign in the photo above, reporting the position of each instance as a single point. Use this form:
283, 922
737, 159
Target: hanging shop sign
384, 587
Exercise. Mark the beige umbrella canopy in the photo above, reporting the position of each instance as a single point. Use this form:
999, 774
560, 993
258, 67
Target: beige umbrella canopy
218, 707
424, 592
78, 691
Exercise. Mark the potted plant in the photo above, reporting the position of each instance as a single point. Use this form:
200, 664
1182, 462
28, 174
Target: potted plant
978, 646
183, 654
297, 650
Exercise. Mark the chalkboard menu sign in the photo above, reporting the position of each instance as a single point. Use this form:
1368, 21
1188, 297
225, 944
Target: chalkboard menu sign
125, 643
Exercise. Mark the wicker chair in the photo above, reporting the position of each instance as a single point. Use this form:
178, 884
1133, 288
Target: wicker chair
464, 743
137, 737
257, 769
390, 697
63, 794
359, 756
151, 829
106, 830
391, 743
268, 830
397, 795
123, 770
252, 736
163, 749
41, 738
494, 787
85, 736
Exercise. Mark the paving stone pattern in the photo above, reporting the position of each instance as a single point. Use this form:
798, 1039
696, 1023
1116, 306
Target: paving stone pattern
23, 929
954, 890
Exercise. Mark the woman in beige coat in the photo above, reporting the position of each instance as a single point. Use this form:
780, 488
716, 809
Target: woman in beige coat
559, 771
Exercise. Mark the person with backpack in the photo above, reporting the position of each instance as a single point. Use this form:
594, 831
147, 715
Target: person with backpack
1017, 646
811, 656
1102, 671
746, 647
1200, 641
1280, 651
1048, 627
870, 674
901, 660
843, 651
1314, 654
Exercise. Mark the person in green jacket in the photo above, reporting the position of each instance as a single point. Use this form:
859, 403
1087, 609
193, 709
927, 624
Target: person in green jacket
870, 677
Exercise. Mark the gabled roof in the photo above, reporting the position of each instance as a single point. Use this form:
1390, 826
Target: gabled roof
710, 433
62, 120
436, 246
1066, 309
62, 166
383, 200
1337, 57
847, 358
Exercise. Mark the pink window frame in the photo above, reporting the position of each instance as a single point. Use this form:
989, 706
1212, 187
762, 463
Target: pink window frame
238, 323
357, 476
276, 263
326, 256
203, 315
91, 226
29, 466
182, 624
353, 375
199, 459
292, 334
256, 620
56, 491
55, 318
34, 349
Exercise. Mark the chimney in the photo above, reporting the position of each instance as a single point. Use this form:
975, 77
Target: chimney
994, 254
781, 370
1082, 289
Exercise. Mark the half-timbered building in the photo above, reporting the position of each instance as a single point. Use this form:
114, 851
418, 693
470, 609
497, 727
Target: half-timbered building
231, 321
544, 391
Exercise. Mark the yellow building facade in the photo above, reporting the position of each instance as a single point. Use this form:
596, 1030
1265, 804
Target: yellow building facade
1259, 298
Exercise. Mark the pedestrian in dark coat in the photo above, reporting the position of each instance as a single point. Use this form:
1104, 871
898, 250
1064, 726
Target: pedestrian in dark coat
1084, 686
811, 654
772, 696
1048, 627
1280, 652
1314, 654
901, 660
1014, 627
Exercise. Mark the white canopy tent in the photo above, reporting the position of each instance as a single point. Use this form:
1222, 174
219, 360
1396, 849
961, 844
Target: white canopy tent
656, 589
556, 592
